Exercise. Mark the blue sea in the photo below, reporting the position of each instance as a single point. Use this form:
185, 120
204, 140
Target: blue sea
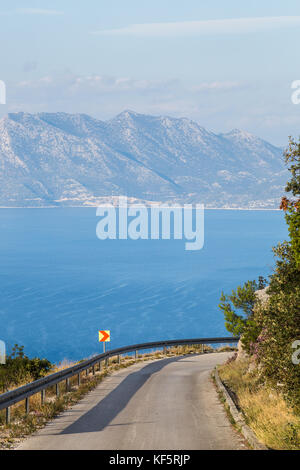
60, 284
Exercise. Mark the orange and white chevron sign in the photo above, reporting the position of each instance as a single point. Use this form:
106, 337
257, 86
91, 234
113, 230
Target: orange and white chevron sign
104, 335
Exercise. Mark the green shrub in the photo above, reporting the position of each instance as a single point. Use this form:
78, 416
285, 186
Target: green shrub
238, 310
279, 320
292, 206
20, 369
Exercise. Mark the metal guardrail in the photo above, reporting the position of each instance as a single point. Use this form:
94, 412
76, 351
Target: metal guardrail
23, 393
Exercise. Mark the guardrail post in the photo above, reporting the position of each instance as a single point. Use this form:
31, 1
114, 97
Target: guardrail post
27, 405
43, 394
87, 371
67, 385
57, 389
78, 379
106, 362
119, 359
136, 355
202, 348
93, 370
165, 350
99, 366
7, 415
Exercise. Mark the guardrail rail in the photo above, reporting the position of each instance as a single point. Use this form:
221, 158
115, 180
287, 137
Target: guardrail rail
11, 397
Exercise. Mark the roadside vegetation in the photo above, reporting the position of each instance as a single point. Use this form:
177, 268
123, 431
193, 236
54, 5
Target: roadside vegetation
20, 370
269, 415
265, 376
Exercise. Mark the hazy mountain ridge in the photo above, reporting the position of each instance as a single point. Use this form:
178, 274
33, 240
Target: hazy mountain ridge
51, 159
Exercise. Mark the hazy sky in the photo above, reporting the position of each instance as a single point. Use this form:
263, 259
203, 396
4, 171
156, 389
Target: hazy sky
226, 64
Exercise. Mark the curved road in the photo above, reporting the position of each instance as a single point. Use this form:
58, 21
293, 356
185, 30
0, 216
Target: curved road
163, 404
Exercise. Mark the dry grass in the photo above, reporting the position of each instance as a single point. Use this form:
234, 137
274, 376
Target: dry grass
265, 410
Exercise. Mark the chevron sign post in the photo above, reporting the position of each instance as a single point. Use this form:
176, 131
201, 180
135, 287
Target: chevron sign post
104, 335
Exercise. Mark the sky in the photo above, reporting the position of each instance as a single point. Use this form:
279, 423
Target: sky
223, 64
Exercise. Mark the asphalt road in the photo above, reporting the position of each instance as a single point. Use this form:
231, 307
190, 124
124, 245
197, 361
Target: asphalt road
158, 405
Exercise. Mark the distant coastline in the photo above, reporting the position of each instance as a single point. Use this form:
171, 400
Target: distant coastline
103, 205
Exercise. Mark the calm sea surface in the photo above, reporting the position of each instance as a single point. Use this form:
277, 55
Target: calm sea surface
59, 284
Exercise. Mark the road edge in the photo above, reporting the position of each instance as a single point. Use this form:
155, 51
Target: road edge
237, 416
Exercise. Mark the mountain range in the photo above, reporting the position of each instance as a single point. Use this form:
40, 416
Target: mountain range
60, 159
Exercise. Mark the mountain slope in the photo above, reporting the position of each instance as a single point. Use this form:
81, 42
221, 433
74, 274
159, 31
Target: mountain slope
50, 159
